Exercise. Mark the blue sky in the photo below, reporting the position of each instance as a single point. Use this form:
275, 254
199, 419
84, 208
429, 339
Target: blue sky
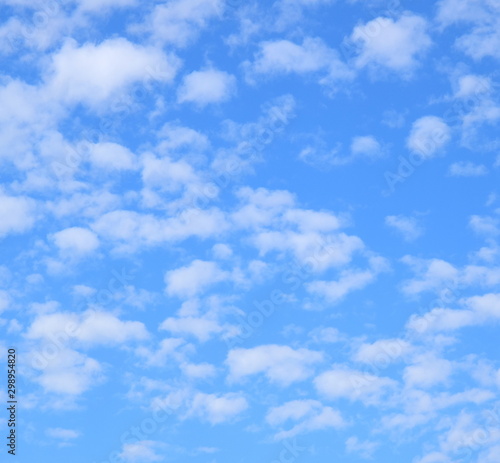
251, 231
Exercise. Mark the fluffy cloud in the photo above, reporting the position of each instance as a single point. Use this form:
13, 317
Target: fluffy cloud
76, 240
427, 371
483, 39
91, 74
310, 414
130, 229
17, 213
217, 409
281, 364
194, 278
408, 227
428, 135
348, 281
205, 87
68, 373
141, 451
178, 22
312, 56
90, 328
202, 328
382, 352
434, 274
343, 382
478, 311
395, 45
111, 156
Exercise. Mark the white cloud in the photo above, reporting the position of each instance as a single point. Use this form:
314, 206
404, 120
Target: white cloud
130, 229
203, 328
467, 169
427, 371
200, 370
428, 135
484, 37
312, 56
67, 372
485, 225
111, 156
364, 449
349, 280
142, 451
91, 74
478, 311
206, 87
217, 409
472, 85
343, 382
281, 364
382, 352
407, 226
169, 348
311, 415
194, 278
90, 327
76, 240
17, 212
178, 22
62, 434
395, 45
365, 146
434, 274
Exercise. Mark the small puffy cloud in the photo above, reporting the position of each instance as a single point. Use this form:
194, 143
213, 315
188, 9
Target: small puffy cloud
477, 311
130, 230
178, 22
382, 352
472, 85
200, 370
17, 214
467, 169
343, 382
62, 434
202, 328
349, 280
428, 135
143, 451
111, 156
285, 57
365, 146
205, 87
67, 373
408, 227
364, 449
427, 371
90, 327
311, 415
76, 240
485, 225
194, 278
217, 409
395, 45
91, 74
281, 364
432, 275
167, 174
